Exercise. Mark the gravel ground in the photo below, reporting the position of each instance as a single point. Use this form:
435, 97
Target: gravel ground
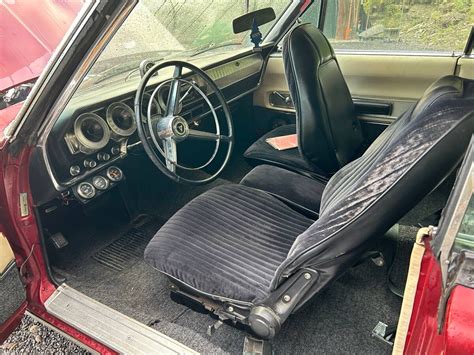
31, 337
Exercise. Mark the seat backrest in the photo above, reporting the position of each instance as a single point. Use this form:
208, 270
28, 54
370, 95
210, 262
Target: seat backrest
371, 194
329, 135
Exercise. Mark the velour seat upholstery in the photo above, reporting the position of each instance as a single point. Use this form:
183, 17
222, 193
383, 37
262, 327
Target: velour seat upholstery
262, 152
235, 256
258, 259
329, 134
298, 191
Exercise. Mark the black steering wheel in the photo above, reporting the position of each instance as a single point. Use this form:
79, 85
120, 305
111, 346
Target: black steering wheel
161, 133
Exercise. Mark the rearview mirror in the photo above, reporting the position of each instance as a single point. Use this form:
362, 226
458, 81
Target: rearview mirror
258, 18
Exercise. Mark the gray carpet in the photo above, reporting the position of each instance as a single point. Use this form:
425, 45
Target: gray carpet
338, 320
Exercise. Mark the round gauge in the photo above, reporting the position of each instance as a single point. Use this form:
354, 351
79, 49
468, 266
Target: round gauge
155, 107
114, 174
100, 182
91, 131
121, 119
86, 190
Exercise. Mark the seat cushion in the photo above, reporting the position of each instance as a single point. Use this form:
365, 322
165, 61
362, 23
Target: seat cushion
262, 152
300, 192
228, 242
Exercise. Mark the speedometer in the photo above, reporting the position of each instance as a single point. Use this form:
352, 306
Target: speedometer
121, 119
91, 131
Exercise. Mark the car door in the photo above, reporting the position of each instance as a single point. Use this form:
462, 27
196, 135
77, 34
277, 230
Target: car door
437, 314
389, 53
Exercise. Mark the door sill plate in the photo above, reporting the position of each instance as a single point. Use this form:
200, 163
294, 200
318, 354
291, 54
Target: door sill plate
111, 328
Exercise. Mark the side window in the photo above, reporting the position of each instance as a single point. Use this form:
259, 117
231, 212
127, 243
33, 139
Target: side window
399, 25
312, 14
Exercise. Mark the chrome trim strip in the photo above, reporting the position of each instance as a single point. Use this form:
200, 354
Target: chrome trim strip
108, 326
387, 53
276, 31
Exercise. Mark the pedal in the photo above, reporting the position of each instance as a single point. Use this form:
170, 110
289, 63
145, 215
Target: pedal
213, 327
59, 240
384, 332
378, 260
254, 346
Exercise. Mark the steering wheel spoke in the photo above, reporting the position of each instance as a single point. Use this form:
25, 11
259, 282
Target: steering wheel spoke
171, 154
173, 103
207, 136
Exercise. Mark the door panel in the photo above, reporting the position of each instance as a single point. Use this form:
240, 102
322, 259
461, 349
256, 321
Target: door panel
273, 80
388, 84
400, 80
395, 80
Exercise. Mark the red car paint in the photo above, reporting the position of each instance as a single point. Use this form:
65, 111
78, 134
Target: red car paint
23, 234
457, 335
29, 35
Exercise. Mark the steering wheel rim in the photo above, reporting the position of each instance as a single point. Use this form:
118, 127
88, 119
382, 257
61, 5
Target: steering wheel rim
172, 128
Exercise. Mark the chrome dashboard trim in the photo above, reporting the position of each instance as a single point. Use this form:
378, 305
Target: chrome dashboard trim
66, 94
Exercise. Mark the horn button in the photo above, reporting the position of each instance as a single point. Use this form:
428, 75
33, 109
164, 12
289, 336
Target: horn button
174, 127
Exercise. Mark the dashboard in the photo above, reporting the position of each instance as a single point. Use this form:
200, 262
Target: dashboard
97, 128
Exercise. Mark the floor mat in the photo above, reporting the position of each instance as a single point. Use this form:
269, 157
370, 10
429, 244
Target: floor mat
128, 249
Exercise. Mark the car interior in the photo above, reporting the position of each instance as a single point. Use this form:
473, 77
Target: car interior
163, 196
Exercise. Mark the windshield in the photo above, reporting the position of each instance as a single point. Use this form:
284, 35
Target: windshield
166, 29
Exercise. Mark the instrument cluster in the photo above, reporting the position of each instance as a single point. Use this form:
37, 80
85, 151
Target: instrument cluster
96, 140
91, 132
